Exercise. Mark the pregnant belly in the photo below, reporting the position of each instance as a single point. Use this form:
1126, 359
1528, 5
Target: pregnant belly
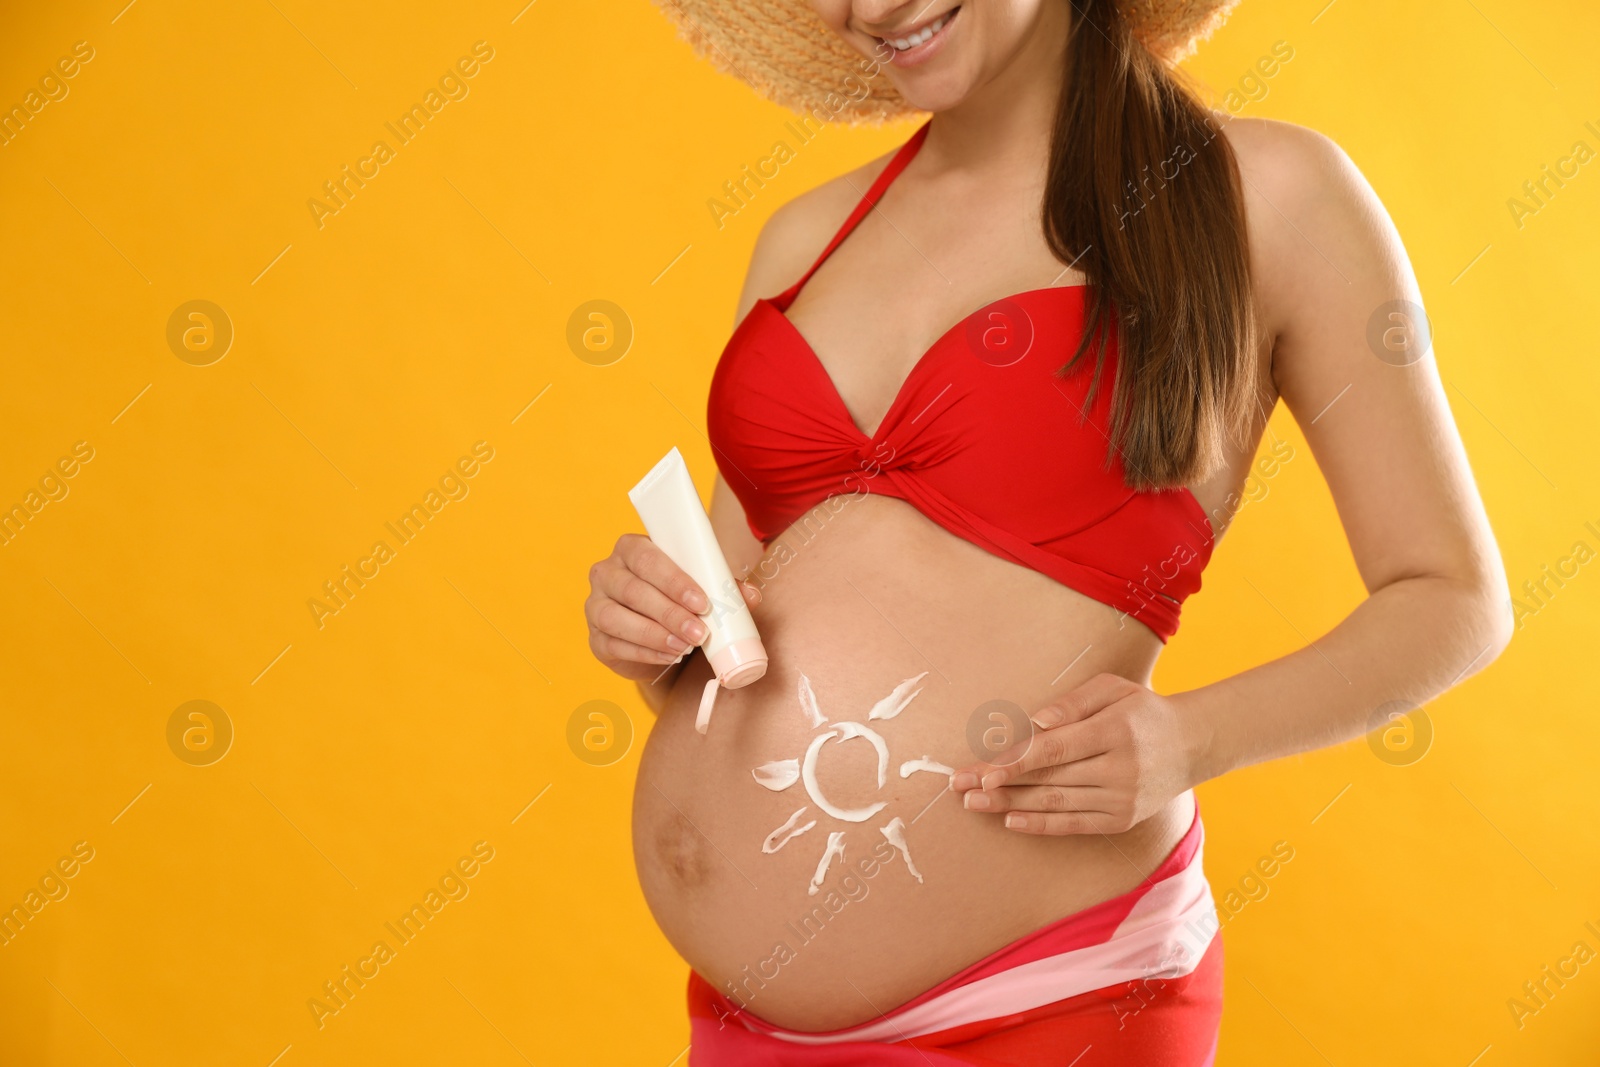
805, 854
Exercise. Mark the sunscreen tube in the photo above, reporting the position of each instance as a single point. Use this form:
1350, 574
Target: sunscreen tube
678, 524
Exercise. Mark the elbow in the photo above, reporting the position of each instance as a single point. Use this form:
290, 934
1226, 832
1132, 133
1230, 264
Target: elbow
1475, 617
1504, 623
1491, 620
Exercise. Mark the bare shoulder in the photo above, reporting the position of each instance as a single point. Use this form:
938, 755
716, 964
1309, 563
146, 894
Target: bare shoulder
1284, 165
1282, 153
1318, 232
796, 233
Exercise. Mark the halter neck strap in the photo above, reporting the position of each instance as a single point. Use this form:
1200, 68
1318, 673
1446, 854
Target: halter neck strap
879, 186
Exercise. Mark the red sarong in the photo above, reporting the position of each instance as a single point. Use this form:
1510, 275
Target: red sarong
1133, 980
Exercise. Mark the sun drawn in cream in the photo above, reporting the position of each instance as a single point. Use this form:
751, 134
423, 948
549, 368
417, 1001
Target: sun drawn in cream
779, 775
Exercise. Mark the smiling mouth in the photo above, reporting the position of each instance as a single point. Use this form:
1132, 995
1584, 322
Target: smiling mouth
922, 35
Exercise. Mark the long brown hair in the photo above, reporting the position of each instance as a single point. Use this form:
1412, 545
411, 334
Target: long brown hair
1144, 198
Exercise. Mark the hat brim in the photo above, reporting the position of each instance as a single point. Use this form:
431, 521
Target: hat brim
782, 50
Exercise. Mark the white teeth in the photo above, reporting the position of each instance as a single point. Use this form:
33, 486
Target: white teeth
903, 43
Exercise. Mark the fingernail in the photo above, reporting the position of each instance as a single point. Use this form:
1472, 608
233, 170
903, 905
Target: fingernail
1045, 718
963, 780
695, 630
1015, 821
994, 779
695, 600
976, 801
677, 644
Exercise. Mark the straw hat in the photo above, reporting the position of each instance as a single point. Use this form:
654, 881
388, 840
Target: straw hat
783, 50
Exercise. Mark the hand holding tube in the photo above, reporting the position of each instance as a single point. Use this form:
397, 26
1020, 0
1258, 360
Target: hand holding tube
643, 610
667, 502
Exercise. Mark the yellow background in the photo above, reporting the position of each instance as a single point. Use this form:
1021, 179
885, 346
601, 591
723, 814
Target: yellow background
370, 754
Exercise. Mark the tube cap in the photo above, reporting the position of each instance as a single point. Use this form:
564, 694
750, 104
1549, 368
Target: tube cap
739, 663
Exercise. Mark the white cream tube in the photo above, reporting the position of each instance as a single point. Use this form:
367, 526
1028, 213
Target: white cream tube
678, 524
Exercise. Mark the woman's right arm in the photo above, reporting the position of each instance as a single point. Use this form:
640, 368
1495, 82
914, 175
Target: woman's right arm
642, 607
667, 622
643, 610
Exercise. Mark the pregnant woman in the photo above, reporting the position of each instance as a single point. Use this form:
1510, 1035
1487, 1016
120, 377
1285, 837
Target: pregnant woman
990, 402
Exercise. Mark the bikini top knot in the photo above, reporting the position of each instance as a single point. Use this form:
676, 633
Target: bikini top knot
984, 438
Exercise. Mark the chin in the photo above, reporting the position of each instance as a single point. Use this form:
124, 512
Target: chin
941, 85
934, 95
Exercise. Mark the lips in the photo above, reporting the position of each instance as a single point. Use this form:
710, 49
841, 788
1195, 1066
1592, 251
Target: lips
915, 36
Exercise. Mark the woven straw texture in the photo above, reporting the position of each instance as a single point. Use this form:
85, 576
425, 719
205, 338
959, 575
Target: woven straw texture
782, 50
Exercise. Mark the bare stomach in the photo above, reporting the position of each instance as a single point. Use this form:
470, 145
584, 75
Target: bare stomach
878, 596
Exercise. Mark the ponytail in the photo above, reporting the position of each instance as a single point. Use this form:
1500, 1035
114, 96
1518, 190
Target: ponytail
1144, 198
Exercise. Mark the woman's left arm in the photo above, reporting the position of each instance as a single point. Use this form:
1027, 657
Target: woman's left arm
1352, 360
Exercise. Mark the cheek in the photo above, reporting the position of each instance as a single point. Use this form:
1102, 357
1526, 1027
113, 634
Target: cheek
997, 35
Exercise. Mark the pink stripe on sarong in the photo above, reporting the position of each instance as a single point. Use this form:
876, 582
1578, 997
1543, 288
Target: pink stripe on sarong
1159, 930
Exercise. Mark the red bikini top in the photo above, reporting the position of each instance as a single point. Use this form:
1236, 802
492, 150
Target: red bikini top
985, 438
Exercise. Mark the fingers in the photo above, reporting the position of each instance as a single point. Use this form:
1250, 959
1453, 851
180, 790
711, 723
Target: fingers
1071, 776
647, 561
1036, 798
644, 609
1060, 823
646, 615
612, 650
1091, 770
1087, 771
1047, 748
640, 606
1084, 701
614, 620
1049, 744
